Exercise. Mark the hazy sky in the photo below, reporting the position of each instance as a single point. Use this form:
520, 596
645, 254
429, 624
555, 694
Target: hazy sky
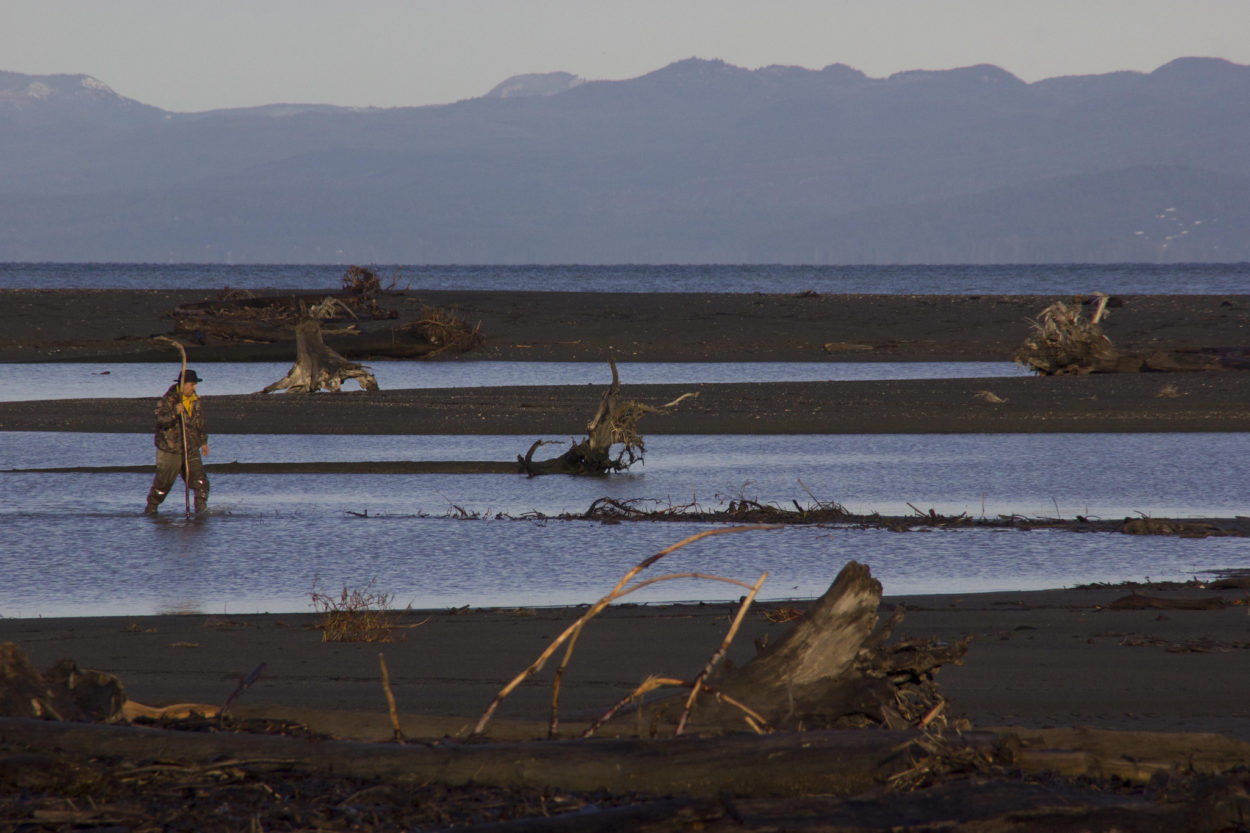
190, 55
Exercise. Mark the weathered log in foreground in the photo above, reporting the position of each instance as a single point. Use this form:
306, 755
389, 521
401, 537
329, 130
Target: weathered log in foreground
834, 763
835, 669
318, 367
84, 774
614, 423
63, 693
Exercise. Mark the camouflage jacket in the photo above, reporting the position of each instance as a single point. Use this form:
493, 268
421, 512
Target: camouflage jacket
169, 428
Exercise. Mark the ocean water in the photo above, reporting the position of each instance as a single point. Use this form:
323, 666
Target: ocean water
1045, 279
77, 544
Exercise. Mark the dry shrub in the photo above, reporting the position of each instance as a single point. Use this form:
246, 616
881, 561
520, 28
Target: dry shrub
363, 615
1064, 341
362, 289
238, 304
362, 281
445, 332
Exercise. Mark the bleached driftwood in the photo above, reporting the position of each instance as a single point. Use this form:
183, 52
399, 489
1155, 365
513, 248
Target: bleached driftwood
318, 367
1064, 341
615, 423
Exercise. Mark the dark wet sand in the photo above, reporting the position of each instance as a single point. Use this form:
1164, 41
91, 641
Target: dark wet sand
68, 325
1144, 402
104, 325
1037, 659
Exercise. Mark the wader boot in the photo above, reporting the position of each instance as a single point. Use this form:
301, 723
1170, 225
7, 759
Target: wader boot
199, 484
155, 497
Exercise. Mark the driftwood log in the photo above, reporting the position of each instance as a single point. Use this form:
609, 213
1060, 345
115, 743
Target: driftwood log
318, 367
74, 776
615, 423
354, 321
1065, 341
69, 693
834, 669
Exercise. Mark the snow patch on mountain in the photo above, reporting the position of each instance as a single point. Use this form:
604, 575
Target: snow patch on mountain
95, 84
535, 84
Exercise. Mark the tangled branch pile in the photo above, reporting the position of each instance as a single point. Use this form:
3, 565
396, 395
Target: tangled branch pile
1063, 341
444, 332
239, 315
363, 282
742, 510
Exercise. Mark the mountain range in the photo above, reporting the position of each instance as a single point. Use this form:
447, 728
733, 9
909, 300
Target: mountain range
697, 162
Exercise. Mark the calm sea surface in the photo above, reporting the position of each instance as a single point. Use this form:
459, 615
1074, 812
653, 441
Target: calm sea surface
1059, 279
76, 544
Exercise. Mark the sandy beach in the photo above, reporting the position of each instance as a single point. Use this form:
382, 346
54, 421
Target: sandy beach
1113, 708
1099, 674
116, 326
1038, 659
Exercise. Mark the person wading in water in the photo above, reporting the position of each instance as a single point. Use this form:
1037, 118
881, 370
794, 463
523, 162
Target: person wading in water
181, 439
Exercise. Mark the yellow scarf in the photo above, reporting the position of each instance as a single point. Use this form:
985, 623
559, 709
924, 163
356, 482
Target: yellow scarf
188, 402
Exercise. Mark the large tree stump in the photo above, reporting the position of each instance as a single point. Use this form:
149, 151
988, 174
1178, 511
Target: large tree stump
614, 423
63, 693
832, 669
317, 366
